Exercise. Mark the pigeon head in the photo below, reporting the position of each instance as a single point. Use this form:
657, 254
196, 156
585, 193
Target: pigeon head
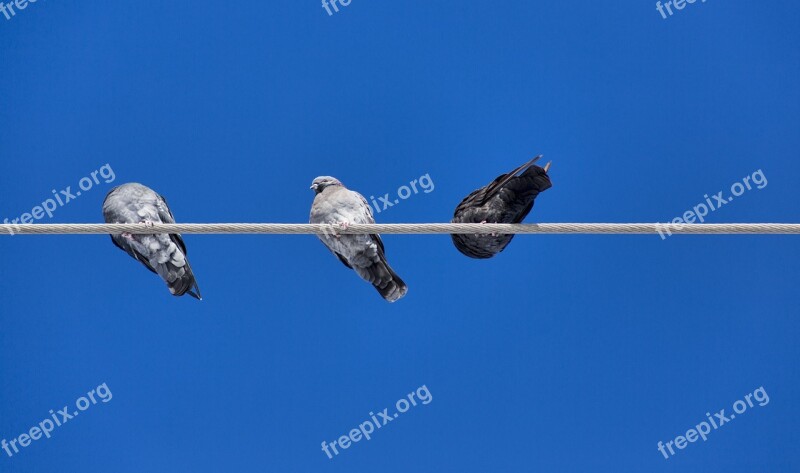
322, 182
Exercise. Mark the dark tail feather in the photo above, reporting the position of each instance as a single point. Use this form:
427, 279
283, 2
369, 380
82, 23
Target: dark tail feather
501, 181
195, 292
534, 179
387, 282
527, 187
185, 284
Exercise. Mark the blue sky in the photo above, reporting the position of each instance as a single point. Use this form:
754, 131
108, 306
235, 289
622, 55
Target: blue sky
563, 353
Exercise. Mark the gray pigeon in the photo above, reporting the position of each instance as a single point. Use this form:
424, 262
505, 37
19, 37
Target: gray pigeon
161, 253
507, 199
334, 204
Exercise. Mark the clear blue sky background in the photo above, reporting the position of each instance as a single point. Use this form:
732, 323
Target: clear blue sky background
568, 353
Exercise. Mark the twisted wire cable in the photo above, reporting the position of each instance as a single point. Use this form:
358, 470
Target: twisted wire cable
403, 228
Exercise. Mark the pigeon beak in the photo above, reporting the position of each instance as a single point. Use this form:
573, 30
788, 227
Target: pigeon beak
313, 186
547, 166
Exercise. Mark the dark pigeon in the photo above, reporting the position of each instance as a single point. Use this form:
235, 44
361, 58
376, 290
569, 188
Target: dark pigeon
335, 205
508, 199
161, 253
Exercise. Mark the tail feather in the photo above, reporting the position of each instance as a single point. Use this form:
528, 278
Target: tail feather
385, 280
535, 179
183, 282
169, 261
500, 182
395, 288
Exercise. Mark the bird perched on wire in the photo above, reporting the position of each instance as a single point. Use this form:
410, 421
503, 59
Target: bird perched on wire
507, 199
339, 207
161, 253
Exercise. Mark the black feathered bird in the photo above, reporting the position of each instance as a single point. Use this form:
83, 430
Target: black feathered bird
508, 199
